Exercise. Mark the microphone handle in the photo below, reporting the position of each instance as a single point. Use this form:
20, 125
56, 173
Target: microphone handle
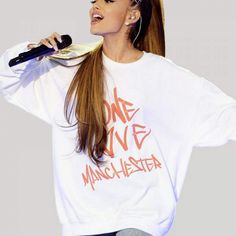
25, 56
35, 52
40, 51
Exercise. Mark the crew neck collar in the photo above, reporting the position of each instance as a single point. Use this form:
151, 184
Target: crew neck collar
111, 62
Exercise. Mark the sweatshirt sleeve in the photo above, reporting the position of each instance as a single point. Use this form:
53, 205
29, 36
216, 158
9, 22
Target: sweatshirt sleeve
24, 86
215, 116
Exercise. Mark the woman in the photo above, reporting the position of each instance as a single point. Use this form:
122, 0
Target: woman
124, 120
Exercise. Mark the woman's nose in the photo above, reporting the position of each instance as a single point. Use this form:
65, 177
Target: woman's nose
96, 4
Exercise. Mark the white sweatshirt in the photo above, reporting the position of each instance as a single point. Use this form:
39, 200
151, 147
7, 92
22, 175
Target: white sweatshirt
156, 111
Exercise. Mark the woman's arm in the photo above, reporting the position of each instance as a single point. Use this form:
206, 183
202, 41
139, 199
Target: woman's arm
10, 76
29, 85
215, 116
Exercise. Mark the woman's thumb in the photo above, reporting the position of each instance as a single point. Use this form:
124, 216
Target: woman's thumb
34, 45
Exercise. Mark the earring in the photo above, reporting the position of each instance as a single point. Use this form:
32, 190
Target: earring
132, 17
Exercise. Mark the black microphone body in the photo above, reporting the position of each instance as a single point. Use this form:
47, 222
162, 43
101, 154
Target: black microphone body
40, 51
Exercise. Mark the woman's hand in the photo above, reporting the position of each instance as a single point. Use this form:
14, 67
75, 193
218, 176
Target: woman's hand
49, 42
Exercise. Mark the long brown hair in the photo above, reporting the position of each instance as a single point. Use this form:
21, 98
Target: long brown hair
87, 85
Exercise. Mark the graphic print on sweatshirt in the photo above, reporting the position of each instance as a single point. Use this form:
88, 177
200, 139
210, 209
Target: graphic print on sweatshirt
131, 150
135, 179
129, 144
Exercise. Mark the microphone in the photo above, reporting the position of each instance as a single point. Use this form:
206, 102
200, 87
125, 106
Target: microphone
41, 50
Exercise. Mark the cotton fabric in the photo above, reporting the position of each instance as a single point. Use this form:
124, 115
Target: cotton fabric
156, 111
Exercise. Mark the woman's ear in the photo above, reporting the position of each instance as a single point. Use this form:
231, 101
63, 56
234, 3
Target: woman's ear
134, 16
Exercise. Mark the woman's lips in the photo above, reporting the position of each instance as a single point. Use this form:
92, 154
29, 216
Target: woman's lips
95, 21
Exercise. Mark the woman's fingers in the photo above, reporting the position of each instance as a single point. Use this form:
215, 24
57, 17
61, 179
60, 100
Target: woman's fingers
46, 42
50, 42
58, 36
32, 45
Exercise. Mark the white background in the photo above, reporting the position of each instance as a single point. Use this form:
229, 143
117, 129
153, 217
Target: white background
200, 36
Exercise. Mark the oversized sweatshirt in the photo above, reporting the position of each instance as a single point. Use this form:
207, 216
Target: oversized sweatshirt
156, 112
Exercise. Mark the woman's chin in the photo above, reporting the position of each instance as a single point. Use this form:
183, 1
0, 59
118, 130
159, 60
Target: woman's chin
95, 32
